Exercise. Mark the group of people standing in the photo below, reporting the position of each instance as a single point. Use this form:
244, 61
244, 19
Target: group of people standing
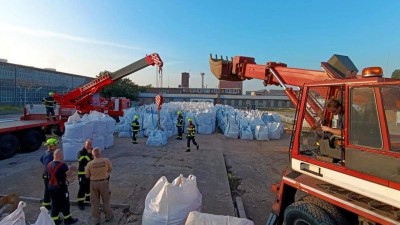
93, 174
190, 135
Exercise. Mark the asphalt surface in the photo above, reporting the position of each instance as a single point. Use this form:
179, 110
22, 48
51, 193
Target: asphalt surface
255, 164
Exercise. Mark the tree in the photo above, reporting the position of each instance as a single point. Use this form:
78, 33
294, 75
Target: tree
122, 88
396, 74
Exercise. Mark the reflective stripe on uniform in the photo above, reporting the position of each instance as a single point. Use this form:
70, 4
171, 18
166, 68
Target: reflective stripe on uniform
81, 173
66, 217
45, 203
81, 199
55, 218
84, 157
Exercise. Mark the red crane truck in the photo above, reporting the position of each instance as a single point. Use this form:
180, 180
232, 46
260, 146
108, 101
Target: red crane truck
351, 178
28, 133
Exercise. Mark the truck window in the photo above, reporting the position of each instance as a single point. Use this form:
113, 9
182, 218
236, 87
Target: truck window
364, 129
391, 104
310, 133
314, 142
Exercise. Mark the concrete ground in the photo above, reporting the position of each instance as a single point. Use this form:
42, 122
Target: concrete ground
254, 164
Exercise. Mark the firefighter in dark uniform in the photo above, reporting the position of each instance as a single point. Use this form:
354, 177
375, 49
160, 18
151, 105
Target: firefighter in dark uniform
135, 129
179, 125
45, 159
84, 156
191, 133
49, 103
58, 171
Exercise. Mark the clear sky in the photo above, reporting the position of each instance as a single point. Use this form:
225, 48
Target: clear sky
86, 37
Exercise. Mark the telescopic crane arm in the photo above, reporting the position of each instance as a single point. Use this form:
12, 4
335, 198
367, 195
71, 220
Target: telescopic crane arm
241, 68
81, 95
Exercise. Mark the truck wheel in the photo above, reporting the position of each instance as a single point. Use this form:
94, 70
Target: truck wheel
31, 140
304, 213
9, 145
332, 210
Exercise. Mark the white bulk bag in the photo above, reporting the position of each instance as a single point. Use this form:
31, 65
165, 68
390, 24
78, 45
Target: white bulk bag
261, 133
275, 130
170, 203
198, 218
74, 117
99, 141
74, 130
99, 127
88, 129
109, 140
44, 217
232, 130
17, 217
71, 149
157, 138
110, 124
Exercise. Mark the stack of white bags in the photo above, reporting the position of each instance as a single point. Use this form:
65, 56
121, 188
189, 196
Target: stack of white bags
234, 123
96, 126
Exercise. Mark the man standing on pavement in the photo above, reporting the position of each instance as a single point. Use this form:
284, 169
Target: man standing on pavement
45, 159
58, 188
179, 125
191, 133
84, 157
49, 103
135, 129
98, 171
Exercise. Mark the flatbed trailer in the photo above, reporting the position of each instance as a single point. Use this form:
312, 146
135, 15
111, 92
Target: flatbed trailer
23, 135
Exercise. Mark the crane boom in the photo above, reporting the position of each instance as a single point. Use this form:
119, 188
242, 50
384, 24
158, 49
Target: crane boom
79, 97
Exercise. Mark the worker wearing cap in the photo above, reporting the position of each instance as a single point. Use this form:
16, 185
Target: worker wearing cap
84, 157
191, 133
49, 103
45, 159
58, 171
179, 125
98, 171
135, 129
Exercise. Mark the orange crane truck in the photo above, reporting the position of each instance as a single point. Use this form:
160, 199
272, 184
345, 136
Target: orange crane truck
28, 133
350, 178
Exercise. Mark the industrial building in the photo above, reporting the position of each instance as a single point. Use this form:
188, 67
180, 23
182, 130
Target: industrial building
20, 85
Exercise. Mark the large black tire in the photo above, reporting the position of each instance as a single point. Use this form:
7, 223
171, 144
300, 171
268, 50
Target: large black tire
332, 210
305, 213
9, 145
31, 140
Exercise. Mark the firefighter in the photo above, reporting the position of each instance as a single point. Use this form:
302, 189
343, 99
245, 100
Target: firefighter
49, 103
45, 159
179, 125
191, 133
84, 156
58, 171
135, 129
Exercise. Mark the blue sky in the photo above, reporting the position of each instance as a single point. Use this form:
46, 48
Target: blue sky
86, 37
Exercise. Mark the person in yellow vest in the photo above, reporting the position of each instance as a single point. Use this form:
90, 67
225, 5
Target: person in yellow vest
179, 125
135, 129
49, 103
191, 133
84, 157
